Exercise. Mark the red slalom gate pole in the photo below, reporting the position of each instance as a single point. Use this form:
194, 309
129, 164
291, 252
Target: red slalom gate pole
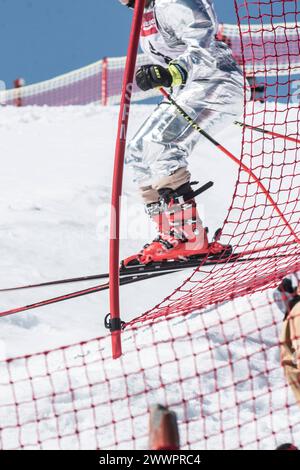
236, 160
114, 248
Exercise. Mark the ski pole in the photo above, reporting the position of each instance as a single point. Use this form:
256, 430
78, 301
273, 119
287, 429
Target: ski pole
201, 131
136, 271
265, 131
55, 282
73, 295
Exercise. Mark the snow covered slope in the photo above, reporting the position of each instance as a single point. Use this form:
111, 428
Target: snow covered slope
55, 183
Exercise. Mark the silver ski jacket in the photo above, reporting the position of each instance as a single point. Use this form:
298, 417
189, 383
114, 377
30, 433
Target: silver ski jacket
184, 31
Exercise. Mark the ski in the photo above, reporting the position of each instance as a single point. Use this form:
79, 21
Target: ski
168, 266
71, 280
137, 269
197, 262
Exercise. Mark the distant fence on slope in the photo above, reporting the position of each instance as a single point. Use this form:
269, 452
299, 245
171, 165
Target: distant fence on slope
269, 50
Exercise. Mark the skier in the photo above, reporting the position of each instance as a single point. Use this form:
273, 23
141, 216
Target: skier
290, 337
179, 39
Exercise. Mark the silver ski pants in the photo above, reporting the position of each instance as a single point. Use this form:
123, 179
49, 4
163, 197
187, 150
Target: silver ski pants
165, 140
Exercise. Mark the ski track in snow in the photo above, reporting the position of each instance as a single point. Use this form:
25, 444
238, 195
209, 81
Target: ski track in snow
54, 203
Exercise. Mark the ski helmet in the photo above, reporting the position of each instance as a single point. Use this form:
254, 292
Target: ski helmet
128, 3
287, 446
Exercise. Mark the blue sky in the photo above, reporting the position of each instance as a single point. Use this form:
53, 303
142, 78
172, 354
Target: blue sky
44, 38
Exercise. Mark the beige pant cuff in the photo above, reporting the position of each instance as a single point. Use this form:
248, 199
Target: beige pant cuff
149, 194
173, 181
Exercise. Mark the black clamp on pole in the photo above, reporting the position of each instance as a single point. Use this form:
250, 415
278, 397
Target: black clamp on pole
113, 324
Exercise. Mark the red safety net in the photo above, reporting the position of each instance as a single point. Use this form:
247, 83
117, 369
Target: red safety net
263, 232
208, 351
219, 370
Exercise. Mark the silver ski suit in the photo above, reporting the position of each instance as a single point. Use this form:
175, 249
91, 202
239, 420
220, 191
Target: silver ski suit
184, 31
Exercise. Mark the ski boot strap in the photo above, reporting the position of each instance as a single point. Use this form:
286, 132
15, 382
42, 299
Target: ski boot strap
184, 193
153, 209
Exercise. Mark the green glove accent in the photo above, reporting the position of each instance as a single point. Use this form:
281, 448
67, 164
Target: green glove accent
178, 74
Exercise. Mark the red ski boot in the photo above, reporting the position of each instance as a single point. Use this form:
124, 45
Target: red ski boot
181, 234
